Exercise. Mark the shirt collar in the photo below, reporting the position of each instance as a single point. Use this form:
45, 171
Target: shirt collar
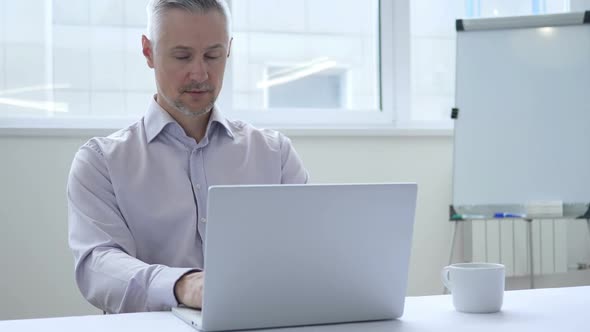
217, 117
156, 119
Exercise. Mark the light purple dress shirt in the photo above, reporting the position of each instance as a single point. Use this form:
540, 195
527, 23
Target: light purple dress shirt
137, 202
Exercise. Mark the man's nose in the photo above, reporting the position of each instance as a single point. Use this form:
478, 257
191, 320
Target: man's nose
199, 71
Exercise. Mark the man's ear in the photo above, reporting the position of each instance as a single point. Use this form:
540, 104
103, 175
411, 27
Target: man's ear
229, 47
147, 50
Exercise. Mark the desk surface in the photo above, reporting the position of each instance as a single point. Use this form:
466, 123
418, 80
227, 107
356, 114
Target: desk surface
561, 309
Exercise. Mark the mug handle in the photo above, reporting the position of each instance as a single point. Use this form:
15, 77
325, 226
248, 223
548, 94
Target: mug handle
445, 278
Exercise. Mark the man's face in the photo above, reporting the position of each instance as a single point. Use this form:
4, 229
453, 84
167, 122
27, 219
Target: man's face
189, 59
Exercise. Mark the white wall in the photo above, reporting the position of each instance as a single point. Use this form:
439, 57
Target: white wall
36, 267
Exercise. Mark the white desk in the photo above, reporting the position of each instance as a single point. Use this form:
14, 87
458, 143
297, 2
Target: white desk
559, 309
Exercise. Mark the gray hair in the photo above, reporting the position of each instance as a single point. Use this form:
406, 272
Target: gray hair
156, 8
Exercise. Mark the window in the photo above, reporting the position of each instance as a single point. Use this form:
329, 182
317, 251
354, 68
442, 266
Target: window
72, 63
294, 62
311, 63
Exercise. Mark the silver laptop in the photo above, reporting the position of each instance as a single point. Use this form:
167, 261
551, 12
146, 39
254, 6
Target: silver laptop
295, 255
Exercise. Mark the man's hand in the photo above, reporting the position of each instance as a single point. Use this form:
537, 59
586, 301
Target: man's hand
189, 290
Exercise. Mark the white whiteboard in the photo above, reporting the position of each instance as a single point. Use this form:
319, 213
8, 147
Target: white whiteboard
523, 128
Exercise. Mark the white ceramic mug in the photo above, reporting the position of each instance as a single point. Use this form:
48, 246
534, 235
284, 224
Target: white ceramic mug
475, 287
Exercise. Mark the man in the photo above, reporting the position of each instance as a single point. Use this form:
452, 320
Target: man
137, 199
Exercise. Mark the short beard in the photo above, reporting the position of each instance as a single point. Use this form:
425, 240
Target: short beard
180, 107
183, 109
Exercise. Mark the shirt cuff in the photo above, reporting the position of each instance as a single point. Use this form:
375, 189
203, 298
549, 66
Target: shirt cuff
160, 295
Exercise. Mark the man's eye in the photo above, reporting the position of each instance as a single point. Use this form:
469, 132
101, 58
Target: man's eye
212, 57
182, 57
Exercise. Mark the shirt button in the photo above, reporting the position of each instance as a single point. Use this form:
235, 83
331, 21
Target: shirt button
203, 220
198, 186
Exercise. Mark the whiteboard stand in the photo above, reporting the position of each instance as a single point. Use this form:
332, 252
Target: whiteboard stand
530, 252
452, 251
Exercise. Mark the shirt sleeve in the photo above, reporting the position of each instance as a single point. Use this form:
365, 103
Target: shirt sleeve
106, 270
293, 171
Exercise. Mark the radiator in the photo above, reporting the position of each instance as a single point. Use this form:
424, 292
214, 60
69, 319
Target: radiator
506, 242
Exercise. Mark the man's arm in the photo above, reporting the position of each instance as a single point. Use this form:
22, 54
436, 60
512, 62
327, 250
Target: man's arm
293, 171
107, 273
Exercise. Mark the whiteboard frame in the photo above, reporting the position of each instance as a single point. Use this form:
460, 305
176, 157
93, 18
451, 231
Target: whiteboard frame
571, 210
